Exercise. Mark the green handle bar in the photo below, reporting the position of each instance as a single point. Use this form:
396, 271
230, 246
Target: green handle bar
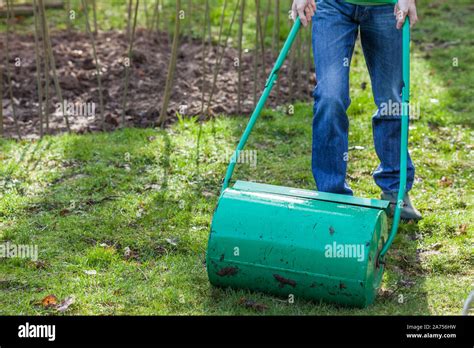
404, 129
404, 136
261, 103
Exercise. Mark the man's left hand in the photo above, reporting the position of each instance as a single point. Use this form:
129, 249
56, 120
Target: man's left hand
403, 9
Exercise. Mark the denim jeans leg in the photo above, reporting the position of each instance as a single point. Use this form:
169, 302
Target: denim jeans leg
382, 46
334, 35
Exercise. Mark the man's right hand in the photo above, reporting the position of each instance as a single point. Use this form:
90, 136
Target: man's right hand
304, 9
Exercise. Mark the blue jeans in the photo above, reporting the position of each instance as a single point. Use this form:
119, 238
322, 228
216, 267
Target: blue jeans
335, 28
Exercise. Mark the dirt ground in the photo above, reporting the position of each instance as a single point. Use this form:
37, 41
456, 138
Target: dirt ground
77, 76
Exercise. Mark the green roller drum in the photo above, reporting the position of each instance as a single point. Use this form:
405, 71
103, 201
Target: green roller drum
309, 244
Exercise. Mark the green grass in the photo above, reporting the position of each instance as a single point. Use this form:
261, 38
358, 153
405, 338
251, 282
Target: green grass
87, 199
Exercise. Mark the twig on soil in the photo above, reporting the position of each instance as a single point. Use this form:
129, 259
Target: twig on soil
68, 11
171, 67
129, 16
239, 77
219, 59
204, 54
46, 72
9, 77
1, 101
127, 64
264, 33
155, 19
94, 51
49, 52
38, 69
203, 74
147, 17
221, 27
276, 40
255, 55
94, 12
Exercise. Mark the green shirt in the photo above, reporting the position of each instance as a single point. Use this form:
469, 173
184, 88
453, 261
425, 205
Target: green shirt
372, 2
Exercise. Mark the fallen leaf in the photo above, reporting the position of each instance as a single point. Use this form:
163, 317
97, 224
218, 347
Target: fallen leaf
154, 187
422, 254
49, 301
462, 229
129, 253
64, 212
39, 264
385, 293
407, 283
64, 305
173, 241
446, 182
248, 303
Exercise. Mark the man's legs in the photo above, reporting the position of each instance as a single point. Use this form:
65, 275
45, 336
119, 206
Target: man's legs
334, 36
382, 46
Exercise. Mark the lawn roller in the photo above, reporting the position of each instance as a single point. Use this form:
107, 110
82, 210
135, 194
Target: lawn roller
303, 243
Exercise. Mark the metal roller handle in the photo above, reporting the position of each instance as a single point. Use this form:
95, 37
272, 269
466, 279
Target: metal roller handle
261, 103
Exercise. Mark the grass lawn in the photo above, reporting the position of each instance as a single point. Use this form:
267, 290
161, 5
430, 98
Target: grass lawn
121, 219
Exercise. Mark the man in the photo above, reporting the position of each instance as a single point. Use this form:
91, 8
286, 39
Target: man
335, 26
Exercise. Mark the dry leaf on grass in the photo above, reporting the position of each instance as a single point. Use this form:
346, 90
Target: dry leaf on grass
249, 303
462, 229
173, 241
446, 182
49, 301
130, 254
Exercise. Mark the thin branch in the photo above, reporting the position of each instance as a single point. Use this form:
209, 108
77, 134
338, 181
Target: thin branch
38, 68
204, 54
239, 77
94, 12
9, 77
52, 61
221, 57
47, 78
1, 101
147, 17
171, 66
129, 16
127, 66
255, 55
276, 39
68, 10
264, 33
97, 65
155, 17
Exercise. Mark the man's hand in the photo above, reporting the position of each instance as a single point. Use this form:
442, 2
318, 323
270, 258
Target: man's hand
304, 9
403, 9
